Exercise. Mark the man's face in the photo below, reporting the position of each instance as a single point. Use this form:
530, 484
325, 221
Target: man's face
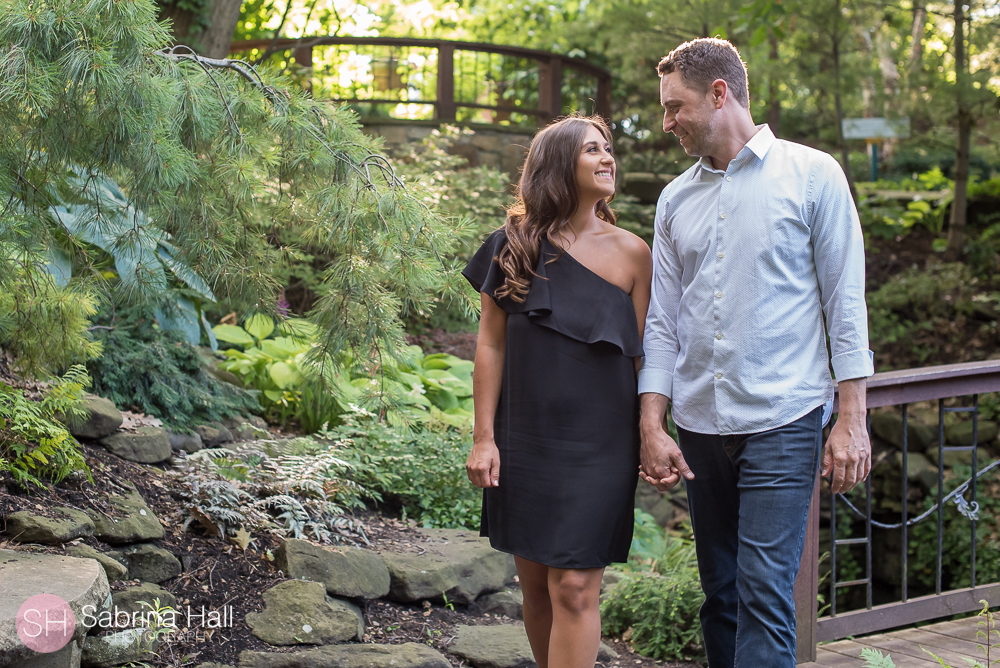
687, 113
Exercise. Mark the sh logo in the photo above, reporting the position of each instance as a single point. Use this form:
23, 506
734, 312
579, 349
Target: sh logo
45, 623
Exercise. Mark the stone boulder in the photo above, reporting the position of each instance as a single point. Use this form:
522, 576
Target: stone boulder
214, 434
504, 646
300, 613
961, 433
454, 563
148, 563
103, 419
132, 521
148, 445
345, 571
959, 458
118, 648
70, 524
407, 655
67, 657
189, 443
506, 602
79, 582
919, 469
889, 428
131, 600
243, 429
113, 569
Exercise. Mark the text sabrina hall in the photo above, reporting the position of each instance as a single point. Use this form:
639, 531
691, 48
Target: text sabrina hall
152, 618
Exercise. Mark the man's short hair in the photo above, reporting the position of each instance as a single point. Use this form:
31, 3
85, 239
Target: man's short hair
702, 61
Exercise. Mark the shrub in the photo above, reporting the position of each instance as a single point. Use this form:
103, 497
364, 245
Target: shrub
660, 606
432, 487
44, 325
34, 445
161, 374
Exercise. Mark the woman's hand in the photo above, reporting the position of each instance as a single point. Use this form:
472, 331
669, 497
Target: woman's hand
483, 464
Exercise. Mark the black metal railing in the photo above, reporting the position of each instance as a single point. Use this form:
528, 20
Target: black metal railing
439, 79
948, 385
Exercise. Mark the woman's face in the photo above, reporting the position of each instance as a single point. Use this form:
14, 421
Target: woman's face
595, 167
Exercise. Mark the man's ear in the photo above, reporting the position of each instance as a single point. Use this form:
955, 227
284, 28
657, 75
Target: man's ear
719, 91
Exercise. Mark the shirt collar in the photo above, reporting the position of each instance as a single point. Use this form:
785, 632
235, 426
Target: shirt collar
759, 145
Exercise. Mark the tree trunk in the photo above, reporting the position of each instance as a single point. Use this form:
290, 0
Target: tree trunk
956, 223
213, 41
835, 52
223, 17
773, 96
917, 37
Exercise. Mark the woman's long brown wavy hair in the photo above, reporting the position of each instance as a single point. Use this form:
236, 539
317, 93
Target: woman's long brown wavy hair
546, 198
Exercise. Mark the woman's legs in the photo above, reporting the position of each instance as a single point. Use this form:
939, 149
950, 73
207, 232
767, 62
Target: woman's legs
561, 613
537, 607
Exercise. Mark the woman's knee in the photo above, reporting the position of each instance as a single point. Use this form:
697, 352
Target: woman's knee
575, 591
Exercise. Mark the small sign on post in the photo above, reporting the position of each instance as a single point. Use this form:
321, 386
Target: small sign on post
873, 130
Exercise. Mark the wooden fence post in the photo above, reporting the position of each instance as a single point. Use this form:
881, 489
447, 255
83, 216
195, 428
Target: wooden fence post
807, 586
549, 90
446, 109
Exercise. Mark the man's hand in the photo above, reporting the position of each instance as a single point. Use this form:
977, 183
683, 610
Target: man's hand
483, 464
848, 451
662, 463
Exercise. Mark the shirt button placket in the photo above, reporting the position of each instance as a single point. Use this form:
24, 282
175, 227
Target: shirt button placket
723, 192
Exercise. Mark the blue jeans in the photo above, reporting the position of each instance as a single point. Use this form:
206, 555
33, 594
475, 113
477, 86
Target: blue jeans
749, 502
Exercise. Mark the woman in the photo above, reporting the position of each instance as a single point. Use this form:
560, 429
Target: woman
556, 443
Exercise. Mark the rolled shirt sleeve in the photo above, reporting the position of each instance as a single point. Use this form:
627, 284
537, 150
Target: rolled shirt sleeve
839, 256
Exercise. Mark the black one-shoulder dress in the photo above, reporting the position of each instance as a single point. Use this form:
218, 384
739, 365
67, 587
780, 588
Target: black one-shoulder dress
567, 423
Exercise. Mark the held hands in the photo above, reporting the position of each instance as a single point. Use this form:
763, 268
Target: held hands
848, 453
483, 464
662, 464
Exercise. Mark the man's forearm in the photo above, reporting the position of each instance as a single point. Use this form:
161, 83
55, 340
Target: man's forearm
853, 397
653, 410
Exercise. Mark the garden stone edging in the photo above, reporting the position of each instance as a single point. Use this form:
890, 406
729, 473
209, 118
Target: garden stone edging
148, 445
131, 599
117, 648
503, 646
300, 613
113, 569
103, 419
506, 602
213, 434
79, 582
407, 655
148, 563
24, 527
345, 571
189, 443
455, 563
138, 524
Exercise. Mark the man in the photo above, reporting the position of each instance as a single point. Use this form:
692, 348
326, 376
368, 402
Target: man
755, 246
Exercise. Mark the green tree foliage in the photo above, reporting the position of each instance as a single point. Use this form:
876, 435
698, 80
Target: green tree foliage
226, 161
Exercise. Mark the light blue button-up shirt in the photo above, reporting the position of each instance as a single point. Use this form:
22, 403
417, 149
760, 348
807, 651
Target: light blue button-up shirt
747, 263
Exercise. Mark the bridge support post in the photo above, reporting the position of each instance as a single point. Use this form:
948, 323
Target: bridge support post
446, 108
549, 90
807, 586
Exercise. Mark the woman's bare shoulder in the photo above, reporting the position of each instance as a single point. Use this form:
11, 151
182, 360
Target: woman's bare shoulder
632, 246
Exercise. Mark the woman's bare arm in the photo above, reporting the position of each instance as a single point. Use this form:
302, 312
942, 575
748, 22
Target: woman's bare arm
483, 464
642, 262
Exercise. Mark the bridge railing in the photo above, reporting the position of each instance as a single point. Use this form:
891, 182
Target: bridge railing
879, 527
440, 79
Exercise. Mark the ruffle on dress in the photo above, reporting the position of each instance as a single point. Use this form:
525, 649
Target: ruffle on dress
564, 296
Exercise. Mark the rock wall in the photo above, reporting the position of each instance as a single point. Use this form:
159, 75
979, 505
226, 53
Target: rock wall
494, 146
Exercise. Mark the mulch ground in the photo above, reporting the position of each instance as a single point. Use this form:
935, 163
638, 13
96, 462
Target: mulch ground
218, 574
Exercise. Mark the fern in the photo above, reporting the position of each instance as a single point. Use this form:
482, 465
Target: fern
875, 659
34, 445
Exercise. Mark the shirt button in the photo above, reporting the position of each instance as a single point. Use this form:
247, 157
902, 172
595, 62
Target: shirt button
721, 255
729, 178
719, 335
718, 295
718, 376
723, 216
